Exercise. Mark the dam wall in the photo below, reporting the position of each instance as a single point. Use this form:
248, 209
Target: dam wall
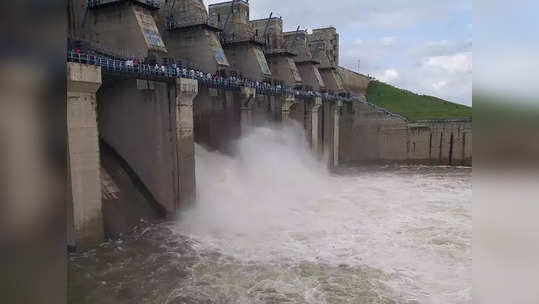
148, 117
374, 136
150, 125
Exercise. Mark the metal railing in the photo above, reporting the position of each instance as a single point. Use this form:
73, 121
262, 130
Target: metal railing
132, 68
151, 4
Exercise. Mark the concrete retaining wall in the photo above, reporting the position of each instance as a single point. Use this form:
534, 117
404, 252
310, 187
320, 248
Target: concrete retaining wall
373, 136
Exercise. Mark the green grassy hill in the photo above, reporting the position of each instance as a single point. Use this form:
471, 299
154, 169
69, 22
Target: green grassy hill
413, 106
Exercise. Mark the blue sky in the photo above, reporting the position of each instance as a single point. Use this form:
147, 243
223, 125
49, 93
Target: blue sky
424, 46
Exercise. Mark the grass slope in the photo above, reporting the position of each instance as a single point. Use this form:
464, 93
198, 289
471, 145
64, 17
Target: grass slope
413, 106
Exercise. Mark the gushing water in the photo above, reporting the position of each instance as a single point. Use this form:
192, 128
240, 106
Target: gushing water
272, 225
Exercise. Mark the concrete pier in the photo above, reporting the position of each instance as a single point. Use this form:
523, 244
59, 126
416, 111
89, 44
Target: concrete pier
85, 218
289, 101
316, 126
247, 97
186, 91
331, 132
336, 132
150, 125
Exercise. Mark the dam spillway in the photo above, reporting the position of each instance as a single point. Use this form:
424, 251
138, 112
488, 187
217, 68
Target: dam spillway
208, 77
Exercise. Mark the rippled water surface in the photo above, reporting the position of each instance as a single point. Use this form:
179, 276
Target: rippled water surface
269, 228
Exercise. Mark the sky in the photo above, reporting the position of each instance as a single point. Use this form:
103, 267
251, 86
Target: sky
424, 46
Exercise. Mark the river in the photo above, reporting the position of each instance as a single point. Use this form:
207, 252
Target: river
272, 225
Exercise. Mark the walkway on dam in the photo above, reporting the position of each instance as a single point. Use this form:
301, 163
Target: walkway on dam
167, 72
133, 69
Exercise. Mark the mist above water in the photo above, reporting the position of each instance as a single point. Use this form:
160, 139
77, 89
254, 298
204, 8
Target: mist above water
374, 237
272, 178
272, 225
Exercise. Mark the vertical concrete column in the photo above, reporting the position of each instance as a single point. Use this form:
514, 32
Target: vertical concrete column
275, 108
336, 131
315, 125
247, 96
186, 91
85, 213
332, 117
229, 99
218, 103
288, 102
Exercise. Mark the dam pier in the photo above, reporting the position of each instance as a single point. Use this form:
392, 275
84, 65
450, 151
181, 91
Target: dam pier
149, 79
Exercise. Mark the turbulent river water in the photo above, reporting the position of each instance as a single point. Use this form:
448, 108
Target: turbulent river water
272, 225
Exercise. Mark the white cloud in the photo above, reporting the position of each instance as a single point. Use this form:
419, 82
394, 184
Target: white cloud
439, 84
388, 41
387, 14
436, 66
388, 76
441, 48
457, 63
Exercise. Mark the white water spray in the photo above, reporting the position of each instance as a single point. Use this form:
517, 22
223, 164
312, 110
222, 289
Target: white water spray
275, 204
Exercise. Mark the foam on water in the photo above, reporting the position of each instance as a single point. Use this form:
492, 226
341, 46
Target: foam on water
286, 229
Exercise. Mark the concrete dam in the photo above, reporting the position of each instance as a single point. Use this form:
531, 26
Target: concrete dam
148, 79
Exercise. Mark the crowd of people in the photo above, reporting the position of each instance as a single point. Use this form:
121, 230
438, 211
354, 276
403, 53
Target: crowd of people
176, 69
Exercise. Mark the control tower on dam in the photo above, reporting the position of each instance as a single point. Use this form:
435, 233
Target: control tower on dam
243, 47
124, 27
296, 42
324, 46
280, 58
191, 35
